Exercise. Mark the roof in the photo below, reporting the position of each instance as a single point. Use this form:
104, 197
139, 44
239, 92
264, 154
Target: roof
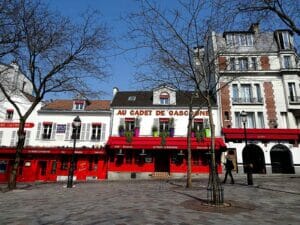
67, 105
145, 99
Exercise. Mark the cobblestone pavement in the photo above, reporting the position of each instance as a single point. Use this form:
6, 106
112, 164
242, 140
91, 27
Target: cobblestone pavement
272, 200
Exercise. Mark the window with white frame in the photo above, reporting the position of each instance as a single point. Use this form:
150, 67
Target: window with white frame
129, 124
47, 130
78, 105
163, 124
254, 63
250, 120
76, 132
164, 98
243, 63
260, 120
258, 92
9, 114
287, 63
96, 131
292, 92
246, 92
285, 40
232, 64
198, 124
239, 39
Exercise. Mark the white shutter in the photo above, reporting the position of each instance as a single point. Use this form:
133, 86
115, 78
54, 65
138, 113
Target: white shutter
1, 135
82, 131
53, 131
68, 136
38, 133
122, 121
13, 139
103, 132
27, 137
156, 123
88, 129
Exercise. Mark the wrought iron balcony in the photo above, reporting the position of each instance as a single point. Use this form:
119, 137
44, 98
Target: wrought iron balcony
247, 101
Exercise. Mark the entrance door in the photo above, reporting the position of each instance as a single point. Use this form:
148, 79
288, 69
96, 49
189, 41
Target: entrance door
42, 170
162, 162
281, 160
255, 156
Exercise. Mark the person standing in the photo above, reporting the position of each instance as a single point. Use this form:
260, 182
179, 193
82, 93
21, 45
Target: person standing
229, 167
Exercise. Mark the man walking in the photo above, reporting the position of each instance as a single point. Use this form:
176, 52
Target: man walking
229, 167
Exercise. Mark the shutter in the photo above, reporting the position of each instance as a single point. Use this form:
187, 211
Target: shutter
38, 133
103, 132
13, 138
53, 131
82, 131
156, 123
88, 129
67, 137
122, 121
1, 135
27, 137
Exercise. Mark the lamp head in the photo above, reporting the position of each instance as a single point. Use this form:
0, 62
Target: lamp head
243, 116
76, 122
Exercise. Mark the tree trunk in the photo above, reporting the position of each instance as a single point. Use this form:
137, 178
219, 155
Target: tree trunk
12, 182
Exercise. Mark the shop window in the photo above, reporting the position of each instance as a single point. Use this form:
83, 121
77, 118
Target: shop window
47, 130
64, 163
164, 98
96, 131
9, 114
205, 159
93, 164
196, 159
129, 157
53, 167
20, 168
3, 166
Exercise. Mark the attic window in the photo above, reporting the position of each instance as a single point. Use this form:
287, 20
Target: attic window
78, 105
9, 114
131, 98
164, 98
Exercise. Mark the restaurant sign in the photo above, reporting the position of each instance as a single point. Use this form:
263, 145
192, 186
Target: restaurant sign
14, 125
149, 112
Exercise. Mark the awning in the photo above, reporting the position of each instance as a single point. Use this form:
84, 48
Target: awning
261, 134
179, 143
63, 151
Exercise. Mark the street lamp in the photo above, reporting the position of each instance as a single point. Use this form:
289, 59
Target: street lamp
248, 166
76, 126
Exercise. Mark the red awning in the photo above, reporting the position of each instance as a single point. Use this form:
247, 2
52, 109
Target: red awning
261, 134
64, 151
155, 143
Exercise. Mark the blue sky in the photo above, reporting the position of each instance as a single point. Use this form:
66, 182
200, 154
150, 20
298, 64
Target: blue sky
122, 69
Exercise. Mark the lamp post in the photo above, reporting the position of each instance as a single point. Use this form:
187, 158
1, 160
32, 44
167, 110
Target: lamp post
248, 165
76, 126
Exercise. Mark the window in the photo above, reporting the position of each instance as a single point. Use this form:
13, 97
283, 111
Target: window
287, 62
250, 120
292, 92
47, 130
164, 98
53, 167
9, 114
129, 124
240, 39
285, 41
93, 163
258, 92
3, 166
163, 124
260, 117
131, 98
198, 124
232, 64
253, 63
246, 93
229, 39
235, 93
76, 132
96, 131
64, 163
243, 64
78, 105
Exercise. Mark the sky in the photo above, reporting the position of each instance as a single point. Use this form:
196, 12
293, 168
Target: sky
122, 68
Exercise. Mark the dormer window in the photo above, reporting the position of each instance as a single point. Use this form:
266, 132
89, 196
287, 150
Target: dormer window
239, 39
78, 105
9, 114
285, 40
131, 98
164, 98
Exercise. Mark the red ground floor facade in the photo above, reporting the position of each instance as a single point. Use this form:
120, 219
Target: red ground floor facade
140, 158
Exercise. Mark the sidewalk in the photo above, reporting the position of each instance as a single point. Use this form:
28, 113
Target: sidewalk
271, 200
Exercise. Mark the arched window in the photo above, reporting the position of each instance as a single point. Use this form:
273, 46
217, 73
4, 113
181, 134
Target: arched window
164, 98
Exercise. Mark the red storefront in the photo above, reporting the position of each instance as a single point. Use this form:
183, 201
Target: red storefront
149, 155
52, 164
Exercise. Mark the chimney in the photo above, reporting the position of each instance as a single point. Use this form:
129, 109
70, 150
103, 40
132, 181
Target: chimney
254, 28
115, 91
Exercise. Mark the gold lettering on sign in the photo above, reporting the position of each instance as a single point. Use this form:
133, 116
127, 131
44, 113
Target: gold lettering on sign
121, 112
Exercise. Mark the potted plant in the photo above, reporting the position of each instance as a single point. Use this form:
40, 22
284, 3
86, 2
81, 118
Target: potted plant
163, 135
200, 135
154, 131
192, 132
121, 130
128, 136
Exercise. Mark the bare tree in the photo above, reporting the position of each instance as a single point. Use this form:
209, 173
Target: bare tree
173, 39
55, 54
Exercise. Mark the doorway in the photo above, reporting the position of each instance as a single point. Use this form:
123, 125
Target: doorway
281, 160
252, 154
42, 170
162, 162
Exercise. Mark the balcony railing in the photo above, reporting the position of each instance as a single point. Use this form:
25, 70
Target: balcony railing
294, 99
247, 100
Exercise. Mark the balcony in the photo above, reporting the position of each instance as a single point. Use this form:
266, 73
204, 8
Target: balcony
294, 100
247, 101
